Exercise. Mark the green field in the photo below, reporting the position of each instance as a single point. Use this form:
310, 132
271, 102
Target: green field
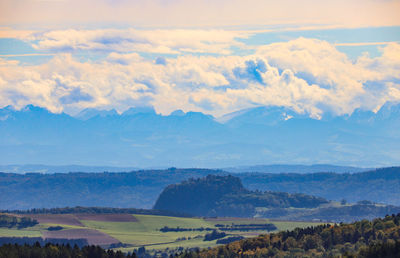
12, 232
145, 231
290, 225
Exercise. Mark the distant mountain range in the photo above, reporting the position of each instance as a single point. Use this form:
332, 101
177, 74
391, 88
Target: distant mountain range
294, 169
302, 169
46, 169
140, 137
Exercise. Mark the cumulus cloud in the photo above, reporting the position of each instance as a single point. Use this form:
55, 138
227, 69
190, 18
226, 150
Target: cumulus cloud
320, 63
307, 75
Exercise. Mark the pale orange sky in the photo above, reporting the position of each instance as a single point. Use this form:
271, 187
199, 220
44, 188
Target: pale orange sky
191, 13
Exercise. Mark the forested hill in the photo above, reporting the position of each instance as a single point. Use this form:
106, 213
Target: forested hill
226, 196
377, 238
198, 196
140, 189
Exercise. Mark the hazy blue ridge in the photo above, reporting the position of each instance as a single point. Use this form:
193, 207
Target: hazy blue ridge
277, 168
140, 138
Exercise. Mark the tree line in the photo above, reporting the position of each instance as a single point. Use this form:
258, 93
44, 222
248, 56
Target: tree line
247, 227
7, 221
51, 251
80, 242
96, 210
360, 239
179, 229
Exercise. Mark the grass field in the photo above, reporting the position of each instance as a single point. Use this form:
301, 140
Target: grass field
290, 225
142, 230
11, 232
146, 231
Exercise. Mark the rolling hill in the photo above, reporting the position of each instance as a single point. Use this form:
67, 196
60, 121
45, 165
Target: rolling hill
225, 196
141, 188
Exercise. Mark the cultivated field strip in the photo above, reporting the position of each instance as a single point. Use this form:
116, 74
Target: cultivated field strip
94, 237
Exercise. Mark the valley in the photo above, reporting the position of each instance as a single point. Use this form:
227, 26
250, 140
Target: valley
128, 232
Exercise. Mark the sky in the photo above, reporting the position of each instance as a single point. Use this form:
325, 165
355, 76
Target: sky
216, 57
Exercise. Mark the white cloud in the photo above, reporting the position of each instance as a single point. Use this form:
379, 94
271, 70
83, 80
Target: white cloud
357, 44
321, 63
385, 66
171, 41
306, 75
